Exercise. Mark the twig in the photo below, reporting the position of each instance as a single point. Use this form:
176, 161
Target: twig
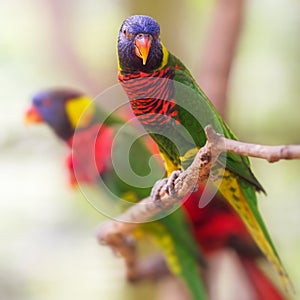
115, 233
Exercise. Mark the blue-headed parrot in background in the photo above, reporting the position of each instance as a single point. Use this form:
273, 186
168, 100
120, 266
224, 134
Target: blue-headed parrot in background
75, 117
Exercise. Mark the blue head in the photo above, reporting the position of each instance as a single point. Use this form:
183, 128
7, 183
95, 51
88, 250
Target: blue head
49, 106
139, 46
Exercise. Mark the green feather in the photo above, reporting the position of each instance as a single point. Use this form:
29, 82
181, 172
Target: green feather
181, 252
203, 110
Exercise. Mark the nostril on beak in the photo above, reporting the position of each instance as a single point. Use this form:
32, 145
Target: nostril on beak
143, 35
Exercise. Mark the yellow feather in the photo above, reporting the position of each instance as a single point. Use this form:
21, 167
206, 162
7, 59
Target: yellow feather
165, 57
189, 156
229, 187
119, 66
169, 164
165, 242
80, 111
130, 196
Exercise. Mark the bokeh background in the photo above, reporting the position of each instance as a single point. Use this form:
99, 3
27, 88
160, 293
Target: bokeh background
48, 249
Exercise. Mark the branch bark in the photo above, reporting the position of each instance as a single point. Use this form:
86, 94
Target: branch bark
115, 233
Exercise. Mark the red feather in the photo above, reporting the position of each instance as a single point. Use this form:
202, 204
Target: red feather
215, 227
91, 150
216, 224
263, 286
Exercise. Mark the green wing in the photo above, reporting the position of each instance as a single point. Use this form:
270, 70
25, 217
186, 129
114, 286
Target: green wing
192, 103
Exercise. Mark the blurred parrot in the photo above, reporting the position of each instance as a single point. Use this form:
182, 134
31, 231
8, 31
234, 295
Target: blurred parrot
74, 116
174, 110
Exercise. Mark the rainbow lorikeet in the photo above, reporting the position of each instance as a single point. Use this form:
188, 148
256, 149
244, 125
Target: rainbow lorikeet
174, 110
214, 227
75, 117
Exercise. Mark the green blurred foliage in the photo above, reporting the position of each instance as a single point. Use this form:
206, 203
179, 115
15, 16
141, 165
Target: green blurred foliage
48, 249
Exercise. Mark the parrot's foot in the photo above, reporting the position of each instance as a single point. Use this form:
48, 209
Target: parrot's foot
166, 185
170, 188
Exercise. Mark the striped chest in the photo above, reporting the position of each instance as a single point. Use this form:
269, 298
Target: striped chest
151, 96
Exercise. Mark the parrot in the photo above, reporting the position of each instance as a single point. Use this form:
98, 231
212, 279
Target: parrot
174, 110
62, 110
215, 227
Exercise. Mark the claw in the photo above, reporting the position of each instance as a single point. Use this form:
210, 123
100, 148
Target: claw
166, 185
171, 183
158, 203
158, 188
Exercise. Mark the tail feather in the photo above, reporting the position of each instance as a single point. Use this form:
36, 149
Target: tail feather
243, 200
180, 250
264, 288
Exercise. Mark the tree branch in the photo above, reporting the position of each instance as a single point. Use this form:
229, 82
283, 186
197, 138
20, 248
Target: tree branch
63, 48
220, 46
115, 233
270, 153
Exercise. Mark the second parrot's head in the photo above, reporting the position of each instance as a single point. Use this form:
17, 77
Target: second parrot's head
139, 45
63, 110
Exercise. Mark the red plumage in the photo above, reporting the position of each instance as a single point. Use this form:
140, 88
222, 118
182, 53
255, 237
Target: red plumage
262, 285
216, 227
91, 152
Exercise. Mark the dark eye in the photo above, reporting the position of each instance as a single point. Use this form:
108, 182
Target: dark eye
127, 34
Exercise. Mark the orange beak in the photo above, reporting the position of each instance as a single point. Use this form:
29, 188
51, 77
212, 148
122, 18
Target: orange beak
142, 46
33, 116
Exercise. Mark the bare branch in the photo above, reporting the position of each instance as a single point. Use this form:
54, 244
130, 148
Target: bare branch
117, 236
270, 153
115, 233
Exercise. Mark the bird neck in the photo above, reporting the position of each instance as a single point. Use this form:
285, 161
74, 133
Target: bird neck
165, 57
80, 112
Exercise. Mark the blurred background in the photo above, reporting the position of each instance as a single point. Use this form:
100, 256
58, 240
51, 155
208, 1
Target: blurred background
48, 248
